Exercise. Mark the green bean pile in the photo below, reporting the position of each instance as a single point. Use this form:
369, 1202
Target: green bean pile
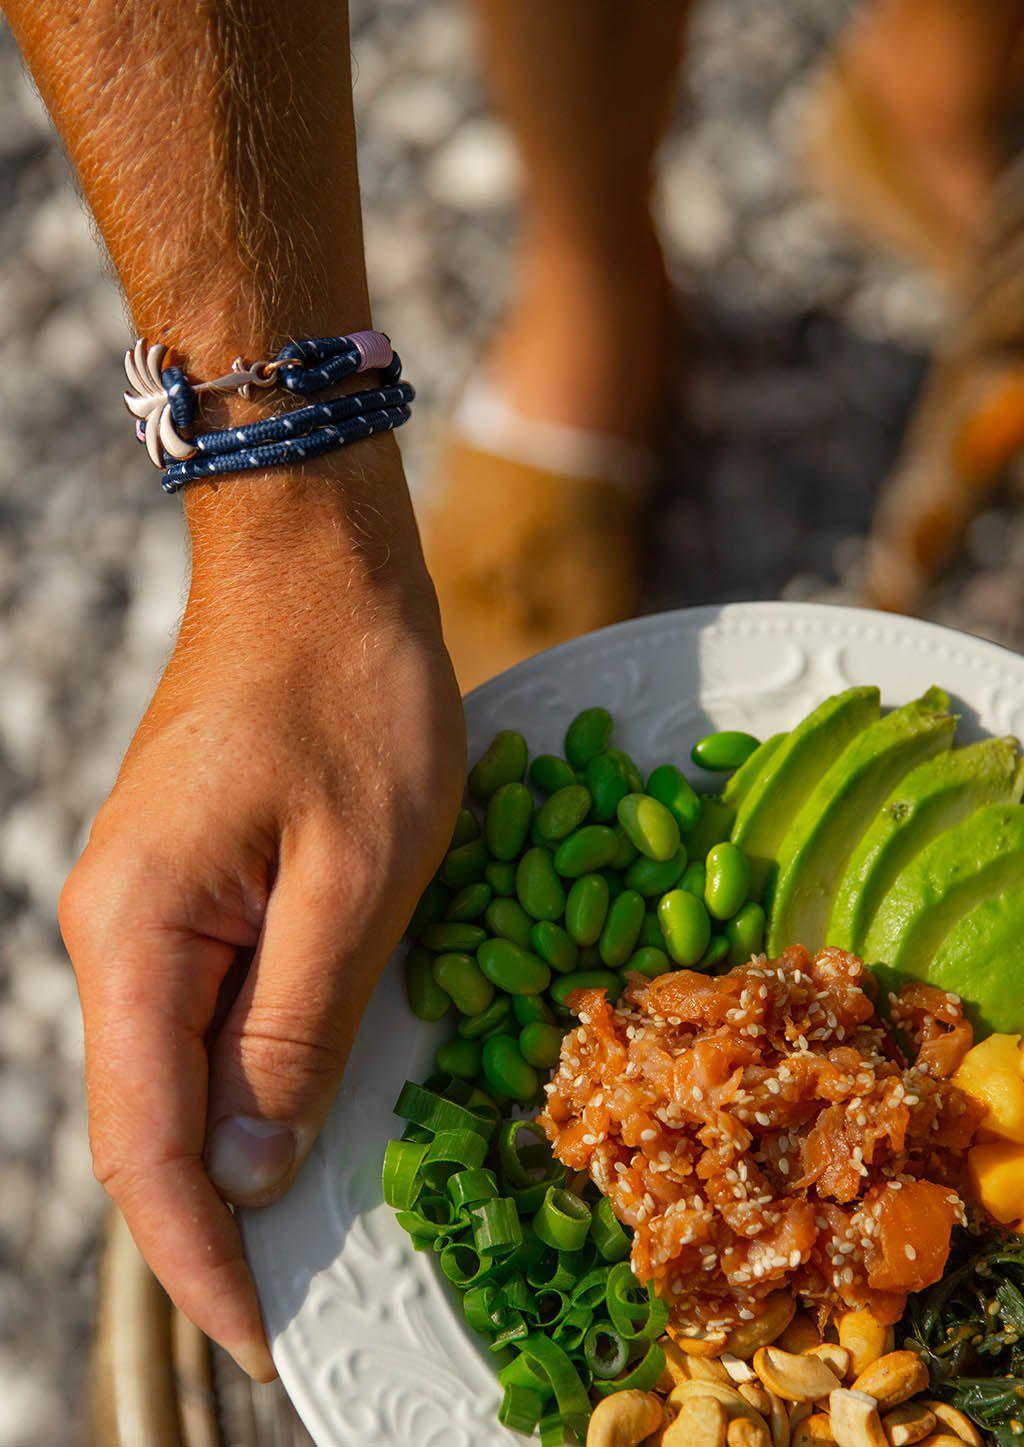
587, 878
603, 878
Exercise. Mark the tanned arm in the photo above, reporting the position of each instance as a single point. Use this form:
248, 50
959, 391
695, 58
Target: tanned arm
294, 780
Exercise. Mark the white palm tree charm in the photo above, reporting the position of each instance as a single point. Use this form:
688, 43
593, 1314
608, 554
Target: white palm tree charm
148, 400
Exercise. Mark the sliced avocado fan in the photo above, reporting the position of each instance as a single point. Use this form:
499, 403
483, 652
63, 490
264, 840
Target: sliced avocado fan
934, 797
982, 960
818, 843
976, 861
745, 777
789, 776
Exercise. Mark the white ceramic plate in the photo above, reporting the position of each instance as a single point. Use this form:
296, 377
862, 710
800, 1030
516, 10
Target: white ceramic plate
366, 1335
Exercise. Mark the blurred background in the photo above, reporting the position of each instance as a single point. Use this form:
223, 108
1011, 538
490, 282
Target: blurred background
807, 353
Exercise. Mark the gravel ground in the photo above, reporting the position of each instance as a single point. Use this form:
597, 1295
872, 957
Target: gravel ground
808, 355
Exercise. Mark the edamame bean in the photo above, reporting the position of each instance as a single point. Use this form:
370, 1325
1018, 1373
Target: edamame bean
503, 762
452, 935
500, 874
507, 821
724, 751
587, 736
538, 887
714, 825
649, 826
478, 1027
563, 812
745, 933
462, 977
466, 828
606, 980
606, 779
528, 1008
728, 880
506, 1071
554, 944
427, 1000
649, 961
633, 779
625, 850
586, 908
685, 924
432, 904
465, 865
514, 970
550, 773
621, 928
507, 919
613, 879
460, 1058
651, 932
694, 877
714, 954
540, 1045
470, 902
654, 876
589, 848
671, 787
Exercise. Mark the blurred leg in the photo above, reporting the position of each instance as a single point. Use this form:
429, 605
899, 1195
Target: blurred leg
586, 87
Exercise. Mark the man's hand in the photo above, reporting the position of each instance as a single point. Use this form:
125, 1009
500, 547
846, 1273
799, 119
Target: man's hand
289, 791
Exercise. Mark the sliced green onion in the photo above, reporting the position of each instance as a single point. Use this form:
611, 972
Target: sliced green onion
519, 1373
432, 1217
606, 1352
552, 1431
563, 1220
483, 1308
571, 1331
522, 1260
549, 1307
436, 1113
591, 1290
635, 1310
417, 1133
462, 1264
400, 1177
528, 1164
451, 1151
571, 1395
514, 1329
640, 1378
518, 1296
520, 1410
607, 1232
496, 1228
468, 1187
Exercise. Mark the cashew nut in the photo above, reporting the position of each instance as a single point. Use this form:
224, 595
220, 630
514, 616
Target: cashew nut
744, 1433
698, 1344
893, 1379
800, 1335
625, 1419
778, 1420
836, 1358
737, 1369
754, 1393
703, 1424
774, 1314
909, 1423
940, 1439
728, 1396
855, 1420
815, 1429
955, 1421
796, 1379
864, 1337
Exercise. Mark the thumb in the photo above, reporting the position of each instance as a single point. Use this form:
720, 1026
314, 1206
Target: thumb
278, 1058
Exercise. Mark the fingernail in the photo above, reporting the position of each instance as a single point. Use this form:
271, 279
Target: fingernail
247, 1157
256, 1361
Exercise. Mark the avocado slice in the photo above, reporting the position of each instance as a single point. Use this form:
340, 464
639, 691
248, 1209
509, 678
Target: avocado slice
934, 797
979, 859
804, 756
819, 841
982, 961
741, 783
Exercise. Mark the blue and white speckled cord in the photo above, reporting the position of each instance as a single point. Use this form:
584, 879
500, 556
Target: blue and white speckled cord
165, 402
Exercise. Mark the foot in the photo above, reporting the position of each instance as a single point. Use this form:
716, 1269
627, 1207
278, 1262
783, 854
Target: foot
525, 549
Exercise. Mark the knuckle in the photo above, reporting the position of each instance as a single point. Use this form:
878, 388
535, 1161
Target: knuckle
283, 1057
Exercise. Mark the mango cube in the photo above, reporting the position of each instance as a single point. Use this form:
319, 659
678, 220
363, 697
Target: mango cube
992, 1074
997, 1178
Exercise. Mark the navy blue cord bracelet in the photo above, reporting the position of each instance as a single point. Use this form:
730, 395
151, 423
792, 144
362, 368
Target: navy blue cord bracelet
165, 404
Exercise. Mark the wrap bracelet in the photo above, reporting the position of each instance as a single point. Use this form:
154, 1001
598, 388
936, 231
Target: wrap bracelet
165, 403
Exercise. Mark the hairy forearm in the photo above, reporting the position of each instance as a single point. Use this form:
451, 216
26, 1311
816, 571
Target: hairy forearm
214, 141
